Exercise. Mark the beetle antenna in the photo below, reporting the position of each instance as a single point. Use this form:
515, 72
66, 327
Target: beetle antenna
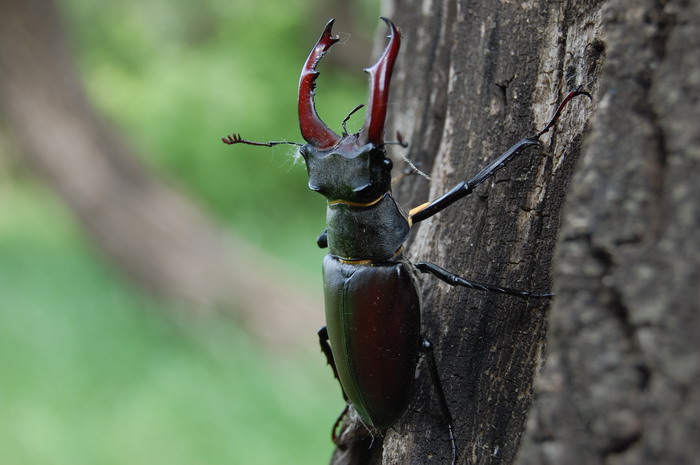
237, 139
399, 141
404, 174
414, 167
345, 120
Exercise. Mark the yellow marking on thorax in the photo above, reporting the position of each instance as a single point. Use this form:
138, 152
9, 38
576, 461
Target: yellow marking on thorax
357, 204
356, 262
366, 261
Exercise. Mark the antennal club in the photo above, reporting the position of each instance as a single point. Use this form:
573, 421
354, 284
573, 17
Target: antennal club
232, 139
345, 120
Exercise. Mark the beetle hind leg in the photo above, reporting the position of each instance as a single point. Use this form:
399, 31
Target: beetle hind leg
427, 349
335, 437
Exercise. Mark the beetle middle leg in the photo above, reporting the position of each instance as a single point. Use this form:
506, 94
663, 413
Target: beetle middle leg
427, 350
322, 243
455, 280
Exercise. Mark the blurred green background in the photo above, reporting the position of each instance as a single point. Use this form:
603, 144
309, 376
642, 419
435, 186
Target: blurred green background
92, 371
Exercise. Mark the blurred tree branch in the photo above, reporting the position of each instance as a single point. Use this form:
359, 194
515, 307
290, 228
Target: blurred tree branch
151, 232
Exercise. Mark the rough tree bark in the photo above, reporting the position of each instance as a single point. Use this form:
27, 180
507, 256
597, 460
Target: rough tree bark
155, 235
621, 359
620, 382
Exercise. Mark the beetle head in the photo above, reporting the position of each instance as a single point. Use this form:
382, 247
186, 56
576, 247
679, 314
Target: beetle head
348, 171
353, 167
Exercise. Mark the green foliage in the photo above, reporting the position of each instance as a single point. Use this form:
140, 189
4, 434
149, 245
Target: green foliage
177, 76
92, 374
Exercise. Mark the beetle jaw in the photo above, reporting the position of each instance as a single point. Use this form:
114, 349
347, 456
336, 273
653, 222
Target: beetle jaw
313, 129
379, 83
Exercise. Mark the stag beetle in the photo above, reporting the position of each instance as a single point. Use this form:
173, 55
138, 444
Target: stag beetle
373, 339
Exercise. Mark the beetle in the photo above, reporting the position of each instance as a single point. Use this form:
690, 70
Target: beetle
372, 339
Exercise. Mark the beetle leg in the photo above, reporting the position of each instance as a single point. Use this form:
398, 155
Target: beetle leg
334, 431
569, 96
322, 242
427, 349
466, 187
326, 349
404, 174
454, 280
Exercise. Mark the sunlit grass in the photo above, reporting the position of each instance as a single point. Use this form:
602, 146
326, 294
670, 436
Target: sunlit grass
92, 373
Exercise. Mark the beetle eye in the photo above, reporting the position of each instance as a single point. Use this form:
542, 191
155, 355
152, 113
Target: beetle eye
316, 188
363, 188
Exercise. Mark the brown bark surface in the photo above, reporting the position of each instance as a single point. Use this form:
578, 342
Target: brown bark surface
623, 363
154, 234
620, 360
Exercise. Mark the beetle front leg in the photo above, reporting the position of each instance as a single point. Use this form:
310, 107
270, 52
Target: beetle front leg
465, 188
427, 349
455, 280
322, 240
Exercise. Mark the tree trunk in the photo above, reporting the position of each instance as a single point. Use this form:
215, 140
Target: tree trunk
473, 78
623, 364
152, 233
